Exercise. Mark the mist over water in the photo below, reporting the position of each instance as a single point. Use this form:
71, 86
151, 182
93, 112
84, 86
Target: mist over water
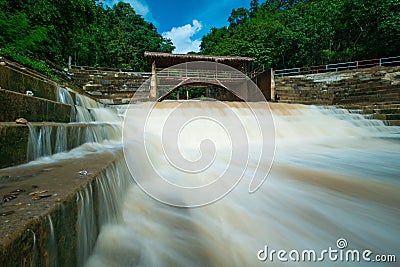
335, 175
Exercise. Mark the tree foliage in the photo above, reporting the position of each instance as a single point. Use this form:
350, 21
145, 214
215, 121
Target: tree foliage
88, 31
289, 33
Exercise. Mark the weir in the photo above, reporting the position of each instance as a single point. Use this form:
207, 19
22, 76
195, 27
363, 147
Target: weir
335, 175
73, 170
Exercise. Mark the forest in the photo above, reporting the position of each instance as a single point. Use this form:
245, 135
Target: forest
87, 30
295, 33
276, 33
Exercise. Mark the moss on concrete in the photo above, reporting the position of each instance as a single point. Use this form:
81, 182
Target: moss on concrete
16, 105
63, 182
14, 80
14, 145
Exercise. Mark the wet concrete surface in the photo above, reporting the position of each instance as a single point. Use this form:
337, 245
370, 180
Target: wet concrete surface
30, 193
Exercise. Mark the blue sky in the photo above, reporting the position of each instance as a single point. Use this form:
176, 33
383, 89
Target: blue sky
185, 22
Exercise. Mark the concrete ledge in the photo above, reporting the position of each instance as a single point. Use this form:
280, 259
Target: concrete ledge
58, 211
16, 105
20, 82
14, 145
51, 138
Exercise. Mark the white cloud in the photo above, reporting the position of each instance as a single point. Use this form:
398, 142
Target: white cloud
182, 37
140, 6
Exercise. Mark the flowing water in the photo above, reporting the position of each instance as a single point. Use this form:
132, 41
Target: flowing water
91, 123
335, 175
52, 247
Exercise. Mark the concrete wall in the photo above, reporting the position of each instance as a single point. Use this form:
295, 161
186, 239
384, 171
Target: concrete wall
109, 86
373, 92
352, 87
60, 248
14, 145
266, 84
17, 81
16, 105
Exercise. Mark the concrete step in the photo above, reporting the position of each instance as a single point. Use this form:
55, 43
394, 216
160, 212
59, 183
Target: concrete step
49, 138
60, 210
392, 122
383, 106
369, 106
22, 69
15, 105
385, 117
305, 102
383, 98
373, 91
381, 111
17, 81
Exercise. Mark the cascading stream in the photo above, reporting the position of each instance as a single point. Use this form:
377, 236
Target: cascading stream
91, 123
335, 175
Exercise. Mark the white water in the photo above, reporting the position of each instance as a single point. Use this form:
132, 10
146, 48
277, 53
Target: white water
47, 140
107, 192
335, 175
92, 123
87, 102
64, 96
52, 247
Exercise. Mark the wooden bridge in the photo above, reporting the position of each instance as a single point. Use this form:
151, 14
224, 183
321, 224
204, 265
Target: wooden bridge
170, 72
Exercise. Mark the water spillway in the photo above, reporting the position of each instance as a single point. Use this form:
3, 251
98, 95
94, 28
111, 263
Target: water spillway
335, 176
46, 200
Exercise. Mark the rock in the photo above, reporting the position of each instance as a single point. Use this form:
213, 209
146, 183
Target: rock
6, 213
37, 192
7, 198
18, 191
83, 172
21, 121
3, 63
30, 93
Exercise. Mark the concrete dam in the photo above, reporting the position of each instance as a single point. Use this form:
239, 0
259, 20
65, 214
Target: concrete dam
80, 171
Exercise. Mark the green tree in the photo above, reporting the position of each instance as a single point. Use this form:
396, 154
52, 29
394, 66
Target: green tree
84, 29
238, 17
290, 33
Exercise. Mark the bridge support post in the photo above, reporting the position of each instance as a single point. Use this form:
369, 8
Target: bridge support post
153, 82
266, 82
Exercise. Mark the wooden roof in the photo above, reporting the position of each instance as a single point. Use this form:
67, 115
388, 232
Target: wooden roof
165, 60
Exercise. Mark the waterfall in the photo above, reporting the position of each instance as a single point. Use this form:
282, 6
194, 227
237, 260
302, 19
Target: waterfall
91, 122
83, 114
62, 139
52, 247
87, 102
64, 96
105, 196
87, 225
334, 178
108, 115
46, 140
34, 261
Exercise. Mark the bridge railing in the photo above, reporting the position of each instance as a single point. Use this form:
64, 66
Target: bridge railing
388, 61
201, 74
